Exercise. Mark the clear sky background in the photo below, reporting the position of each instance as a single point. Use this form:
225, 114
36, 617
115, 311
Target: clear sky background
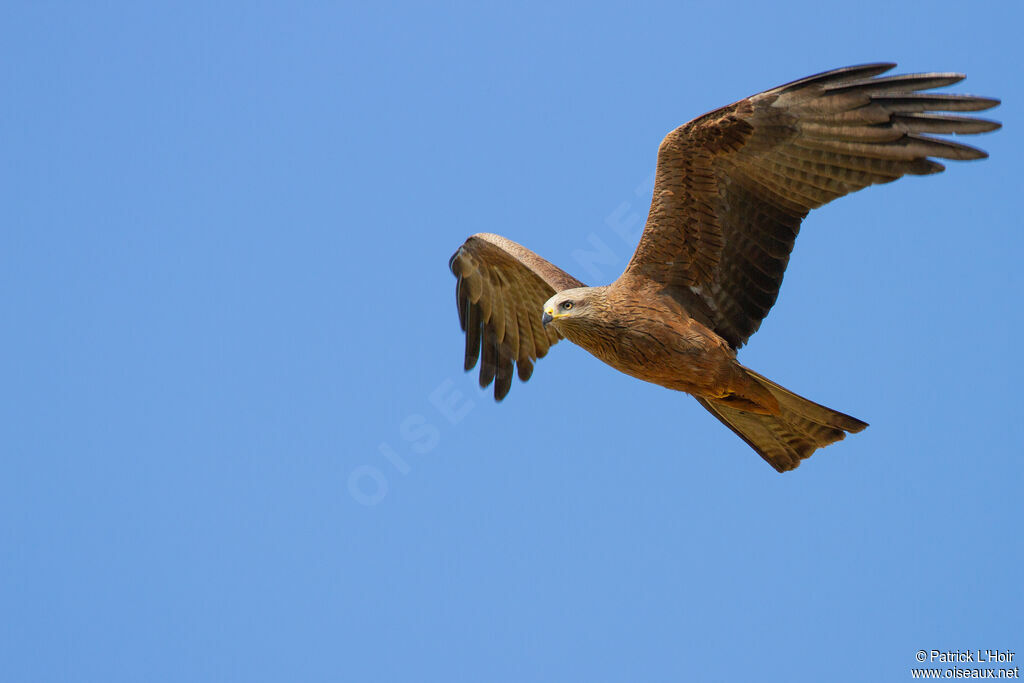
227, 318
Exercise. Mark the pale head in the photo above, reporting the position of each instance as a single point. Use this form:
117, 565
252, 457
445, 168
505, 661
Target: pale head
572, 305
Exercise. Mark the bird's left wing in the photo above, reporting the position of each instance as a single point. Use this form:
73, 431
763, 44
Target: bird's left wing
501, 289
732, 186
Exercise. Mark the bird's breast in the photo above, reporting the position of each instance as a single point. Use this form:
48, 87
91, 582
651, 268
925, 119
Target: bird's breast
660, 347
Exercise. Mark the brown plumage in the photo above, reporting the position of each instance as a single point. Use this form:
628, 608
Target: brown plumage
731, 190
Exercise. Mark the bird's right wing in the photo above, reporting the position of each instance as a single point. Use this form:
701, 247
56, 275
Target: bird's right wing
732, 186
501, 289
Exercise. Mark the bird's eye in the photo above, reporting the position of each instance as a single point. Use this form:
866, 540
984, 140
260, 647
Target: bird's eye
566, 305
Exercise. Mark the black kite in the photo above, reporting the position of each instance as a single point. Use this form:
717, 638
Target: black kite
731, 189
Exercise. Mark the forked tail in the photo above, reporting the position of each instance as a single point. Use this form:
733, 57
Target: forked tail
800, 428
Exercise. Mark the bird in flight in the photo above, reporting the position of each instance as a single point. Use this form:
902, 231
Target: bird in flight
731, 189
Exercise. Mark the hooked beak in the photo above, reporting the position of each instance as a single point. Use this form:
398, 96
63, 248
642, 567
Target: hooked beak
546, 318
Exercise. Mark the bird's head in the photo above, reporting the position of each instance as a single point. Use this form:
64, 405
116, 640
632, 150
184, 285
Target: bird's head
569, 307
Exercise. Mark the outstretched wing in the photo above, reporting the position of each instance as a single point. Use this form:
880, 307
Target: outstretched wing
732, 186
501, 289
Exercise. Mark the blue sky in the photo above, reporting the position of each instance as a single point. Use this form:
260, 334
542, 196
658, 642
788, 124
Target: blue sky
228, 324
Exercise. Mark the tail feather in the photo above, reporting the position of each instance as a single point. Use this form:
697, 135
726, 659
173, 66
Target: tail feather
801, 427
